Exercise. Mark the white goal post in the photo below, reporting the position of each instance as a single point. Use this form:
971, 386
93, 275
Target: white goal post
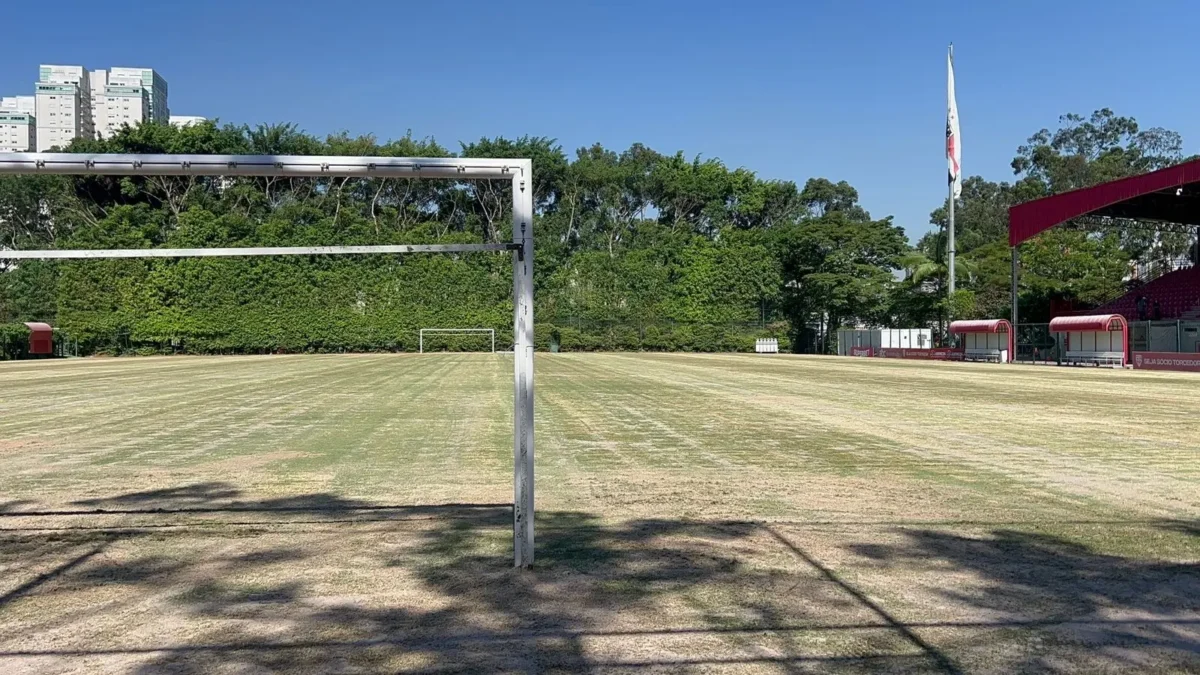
454, 331
518, 171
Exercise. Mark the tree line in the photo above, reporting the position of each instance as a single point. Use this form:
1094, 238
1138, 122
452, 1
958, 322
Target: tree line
635, 249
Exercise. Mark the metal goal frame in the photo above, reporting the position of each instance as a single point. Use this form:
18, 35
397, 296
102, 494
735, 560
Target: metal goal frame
421, 335
518, 171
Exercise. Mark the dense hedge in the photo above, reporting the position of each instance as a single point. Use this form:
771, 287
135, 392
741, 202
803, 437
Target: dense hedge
634, 251
595, 301
664, 338
14, 341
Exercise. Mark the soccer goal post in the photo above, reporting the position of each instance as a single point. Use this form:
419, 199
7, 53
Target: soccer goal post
490, 332
519, 172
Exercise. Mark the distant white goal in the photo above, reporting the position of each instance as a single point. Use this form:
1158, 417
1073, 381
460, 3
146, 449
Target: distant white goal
491, 333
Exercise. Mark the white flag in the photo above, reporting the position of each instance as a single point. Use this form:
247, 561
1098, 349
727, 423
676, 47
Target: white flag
953, 135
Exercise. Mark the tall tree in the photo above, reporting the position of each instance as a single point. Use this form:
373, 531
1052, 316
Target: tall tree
837, 268
1103, 147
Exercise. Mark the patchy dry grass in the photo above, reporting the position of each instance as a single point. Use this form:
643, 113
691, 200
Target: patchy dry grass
697, 513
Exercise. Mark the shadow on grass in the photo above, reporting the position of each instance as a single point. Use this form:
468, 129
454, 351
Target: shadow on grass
1122, 605
599, 596
1189, 528
13, 505
219, 497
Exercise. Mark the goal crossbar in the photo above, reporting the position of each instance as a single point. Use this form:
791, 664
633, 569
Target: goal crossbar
454, 331
313, 166
52, 254
518, 171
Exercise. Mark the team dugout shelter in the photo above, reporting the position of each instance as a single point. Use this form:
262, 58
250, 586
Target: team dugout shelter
1168, 199
985, 340
1101, 339
41, 338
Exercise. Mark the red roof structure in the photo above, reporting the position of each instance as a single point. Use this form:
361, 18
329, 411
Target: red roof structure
1097, 325
1094, 322
987, 326
41, 337
1169, 195
981, 326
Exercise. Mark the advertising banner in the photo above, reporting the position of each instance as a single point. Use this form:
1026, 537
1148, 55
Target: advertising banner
936, 354
1166, 361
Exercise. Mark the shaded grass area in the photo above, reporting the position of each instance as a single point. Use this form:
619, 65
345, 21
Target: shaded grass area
696, 514
322, 583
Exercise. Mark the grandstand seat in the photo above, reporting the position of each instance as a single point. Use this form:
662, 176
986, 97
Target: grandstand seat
1177, 294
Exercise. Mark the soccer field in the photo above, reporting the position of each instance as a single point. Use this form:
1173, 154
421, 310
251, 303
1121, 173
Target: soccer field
696, 513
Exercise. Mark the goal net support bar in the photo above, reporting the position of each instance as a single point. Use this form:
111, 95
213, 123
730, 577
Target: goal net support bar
491, 332
280, 166
518, 171
251, 251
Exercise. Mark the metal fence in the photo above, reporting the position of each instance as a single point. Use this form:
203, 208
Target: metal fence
1165, 336
1035, 342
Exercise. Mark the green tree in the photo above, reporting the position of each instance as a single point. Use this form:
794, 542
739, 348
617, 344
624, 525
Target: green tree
1064, 263
837, 268
1103, 147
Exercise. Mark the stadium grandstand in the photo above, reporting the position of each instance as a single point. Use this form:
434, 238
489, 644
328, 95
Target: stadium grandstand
1174, 295
1162, 304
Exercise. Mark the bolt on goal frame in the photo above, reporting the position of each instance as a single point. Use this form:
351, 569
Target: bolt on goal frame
518, 171
491, 332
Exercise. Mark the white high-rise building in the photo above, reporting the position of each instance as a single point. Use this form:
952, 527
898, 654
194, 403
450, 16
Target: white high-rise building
187, 120
121, 106
18, 132
72, 102
97, 81
26, 105
149, 80
18, 127
130, 96
117, 103
63, 106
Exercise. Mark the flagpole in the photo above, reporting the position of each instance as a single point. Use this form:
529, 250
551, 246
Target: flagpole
950, 230
950, 240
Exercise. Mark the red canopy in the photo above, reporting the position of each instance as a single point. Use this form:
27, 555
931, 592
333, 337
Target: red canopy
1095, 322
1170, 195
981, 326
41, 337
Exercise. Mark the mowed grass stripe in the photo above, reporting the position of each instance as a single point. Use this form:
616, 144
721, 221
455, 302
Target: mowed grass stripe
240, 413
177, 429
428, 417
140, 393
416, 427
635, 441
943, 437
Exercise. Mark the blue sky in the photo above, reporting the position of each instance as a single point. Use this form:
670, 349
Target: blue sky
847, 90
